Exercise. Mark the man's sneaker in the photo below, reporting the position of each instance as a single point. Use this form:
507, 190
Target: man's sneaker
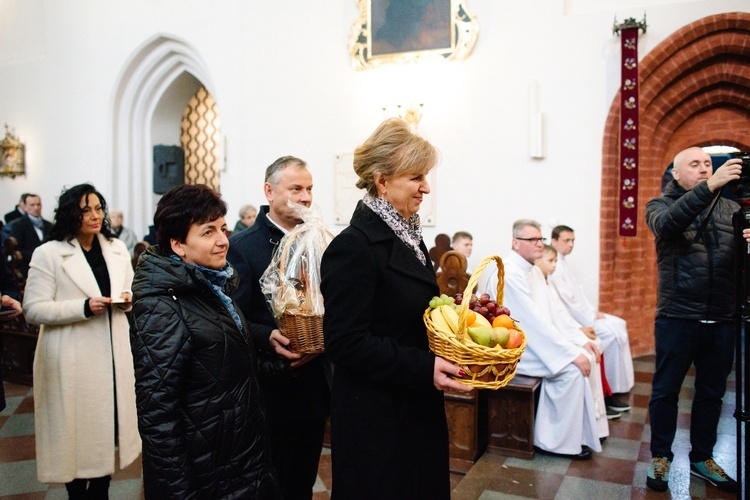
612, 414
616, 404
657, 477
714, 474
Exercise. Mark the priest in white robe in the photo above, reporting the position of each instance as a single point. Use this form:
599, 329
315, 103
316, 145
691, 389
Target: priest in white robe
611, 329
566, 421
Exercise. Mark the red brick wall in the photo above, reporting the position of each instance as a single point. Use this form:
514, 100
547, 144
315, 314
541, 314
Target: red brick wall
694, 91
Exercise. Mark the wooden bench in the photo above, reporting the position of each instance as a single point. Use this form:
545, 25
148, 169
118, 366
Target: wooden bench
511, 417
466, 413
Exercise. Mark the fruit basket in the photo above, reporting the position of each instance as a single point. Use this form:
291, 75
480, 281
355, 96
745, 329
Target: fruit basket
488, 367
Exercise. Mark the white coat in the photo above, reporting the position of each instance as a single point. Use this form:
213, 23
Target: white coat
78, 364
612, 330
566, 415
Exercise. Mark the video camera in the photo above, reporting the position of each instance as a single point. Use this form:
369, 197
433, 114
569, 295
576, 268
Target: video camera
741, 187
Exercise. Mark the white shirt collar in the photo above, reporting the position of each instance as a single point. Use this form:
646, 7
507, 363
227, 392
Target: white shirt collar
268, 216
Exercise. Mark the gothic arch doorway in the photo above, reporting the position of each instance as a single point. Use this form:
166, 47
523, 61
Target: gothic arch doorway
695, 91
156, 69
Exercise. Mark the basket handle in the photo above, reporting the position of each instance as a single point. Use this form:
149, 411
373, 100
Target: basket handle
462, 312
284, 251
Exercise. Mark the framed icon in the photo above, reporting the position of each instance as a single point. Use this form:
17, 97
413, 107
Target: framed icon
393, 31
12, 160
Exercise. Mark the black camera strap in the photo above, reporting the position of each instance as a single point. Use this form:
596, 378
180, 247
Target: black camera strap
703, 225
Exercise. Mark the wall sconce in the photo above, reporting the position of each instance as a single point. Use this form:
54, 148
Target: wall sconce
411, 114
12, 161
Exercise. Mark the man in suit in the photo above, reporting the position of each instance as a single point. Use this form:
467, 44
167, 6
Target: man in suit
30, 230
294, 387
17, 212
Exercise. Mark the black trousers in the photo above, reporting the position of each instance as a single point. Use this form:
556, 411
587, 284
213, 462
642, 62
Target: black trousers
89, 489
680, 344
295, 452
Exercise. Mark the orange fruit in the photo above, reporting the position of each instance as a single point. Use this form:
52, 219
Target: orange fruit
503, 320
471, 317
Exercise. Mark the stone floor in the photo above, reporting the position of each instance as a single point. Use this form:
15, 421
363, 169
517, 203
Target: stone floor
617, 472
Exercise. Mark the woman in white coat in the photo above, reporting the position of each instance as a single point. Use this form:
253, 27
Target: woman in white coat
84, 388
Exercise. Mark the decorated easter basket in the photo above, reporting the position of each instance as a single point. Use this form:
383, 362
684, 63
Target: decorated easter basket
303, 327
487, 367
291, 283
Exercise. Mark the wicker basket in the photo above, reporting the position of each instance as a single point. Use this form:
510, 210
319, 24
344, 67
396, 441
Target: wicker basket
303, 329
489, 367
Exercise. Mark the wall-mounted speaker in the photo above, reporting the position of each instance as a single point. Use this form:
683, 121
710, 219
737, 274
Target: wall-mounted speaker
169, 167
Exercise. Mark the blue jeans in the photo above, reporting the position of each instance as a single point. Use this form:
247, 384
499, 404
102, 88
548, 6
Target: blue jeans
680, 343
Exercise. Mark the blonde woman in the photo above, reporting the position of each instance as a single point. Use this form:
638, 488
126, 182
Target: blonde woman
389, 437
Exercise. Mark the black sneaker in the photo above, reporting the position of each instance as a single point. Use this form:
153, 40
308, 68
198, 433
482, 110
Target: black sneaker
657, 477
714, 474
616, 404
612, 414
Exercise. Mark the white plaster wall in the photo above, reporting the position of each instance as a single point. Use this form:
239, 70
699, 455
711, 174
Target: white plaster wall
281, 75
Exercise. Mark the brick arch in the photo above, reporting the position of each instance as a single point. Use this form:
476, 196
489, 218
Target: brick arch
694, 91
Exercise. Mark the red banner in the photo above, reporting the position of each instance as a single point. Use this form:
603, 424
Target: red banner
629, 133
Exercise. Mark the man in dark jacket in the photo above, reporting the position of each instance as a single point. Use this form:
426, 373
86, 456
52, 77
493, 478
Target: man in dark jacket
30, 230
695, 310
294, 387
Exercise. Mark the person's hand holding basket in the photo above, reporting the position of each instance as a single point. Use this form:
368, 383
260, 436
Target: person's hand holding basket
291, 284
487, 353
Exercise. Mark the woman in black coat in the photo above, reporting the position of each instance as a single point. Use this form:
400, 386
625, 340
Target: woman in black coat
199, 414
389, 437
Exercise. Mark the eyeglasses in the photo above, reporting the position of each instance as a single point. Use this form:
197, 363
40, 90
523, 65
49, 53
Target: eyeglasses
533, 241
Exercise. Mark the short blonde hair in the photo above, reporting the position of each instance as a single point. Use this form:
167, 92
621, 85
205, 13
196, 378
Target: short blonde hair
549, 249
392, 150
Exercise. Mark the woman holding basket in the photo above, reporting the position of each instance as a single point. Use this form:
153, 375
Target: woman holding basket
389, 437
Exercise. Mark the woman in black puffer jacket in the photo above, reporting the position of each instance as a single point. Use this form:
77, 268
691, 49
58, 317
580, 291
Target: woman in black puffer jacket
199, 411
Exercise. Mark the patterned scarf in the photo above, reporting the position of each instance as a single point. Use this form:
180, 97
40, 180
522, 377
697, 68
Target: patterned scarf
408, 231
218, 278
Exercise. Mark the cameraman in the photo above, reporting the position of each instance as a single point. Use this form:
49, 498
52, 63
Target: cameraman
695, 310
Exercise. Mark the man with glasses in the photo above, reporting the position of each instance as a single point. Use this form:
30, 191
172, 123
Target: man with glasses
566, 423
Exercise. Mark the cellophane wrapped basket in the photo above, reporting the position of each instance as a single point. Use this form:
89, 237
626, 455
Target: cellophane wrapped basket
291, 283
488, 367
